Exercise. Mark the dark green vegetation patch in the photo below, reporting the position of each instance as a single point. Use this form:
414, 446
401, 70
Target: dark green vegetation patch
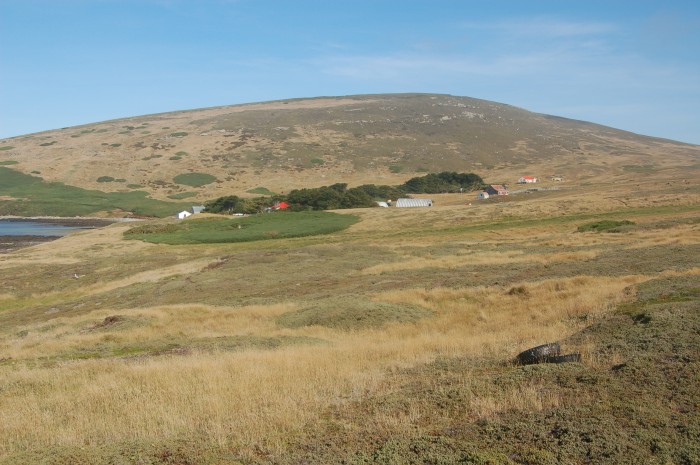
182, 195
7, 147
8, 162
277, 225
194, 179
349, 314
105, 179
604, 225
58, 199
260, 191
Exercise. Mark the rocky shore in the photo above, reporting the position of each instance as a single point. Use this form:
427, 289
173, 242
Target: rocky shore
11, 243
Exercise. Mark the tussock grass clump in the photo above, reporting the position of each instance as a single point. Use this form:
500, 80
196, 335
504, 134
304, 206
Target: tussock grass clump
352, 314
604, 225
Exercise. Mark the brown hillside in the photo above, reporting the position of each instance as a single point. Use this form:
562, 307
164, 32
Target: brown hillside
382, 139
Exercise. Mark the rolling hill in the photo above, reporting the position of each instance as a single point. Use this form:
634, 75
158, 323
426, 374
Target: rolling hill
362, 336
383, 139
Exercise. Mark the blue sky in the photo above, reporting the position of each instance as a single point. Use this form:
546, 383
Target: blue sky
633, 65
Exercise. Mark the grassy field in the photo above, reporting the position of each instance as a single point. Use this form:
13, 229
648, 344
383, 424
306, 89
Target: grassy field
216, 230
387, 342
25, 195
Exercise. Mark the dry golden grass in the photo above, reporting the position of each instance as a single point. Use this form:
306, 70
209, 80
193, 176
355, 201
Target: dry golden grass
238, 398
259, 398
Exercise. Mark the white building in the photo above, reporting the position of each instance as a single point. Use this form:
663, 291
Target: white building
404, 203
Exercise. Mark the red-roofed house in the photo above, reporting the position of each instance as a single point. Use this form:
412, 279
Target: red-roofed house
527, 179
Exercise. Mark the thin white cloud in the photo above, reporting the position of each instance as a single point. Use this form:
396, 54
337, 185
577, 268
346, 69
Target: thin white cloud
544, 27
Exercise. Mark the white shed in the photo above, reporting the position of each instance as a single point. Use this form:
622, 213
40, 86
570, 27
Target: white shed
483, 195
183, 214
404, 203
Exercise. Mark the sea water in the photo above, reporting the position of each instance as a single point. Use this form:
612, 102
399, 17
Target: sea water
35, 228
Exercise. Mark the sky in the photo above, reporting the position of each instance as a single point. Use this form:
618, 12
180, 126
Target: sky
632, 65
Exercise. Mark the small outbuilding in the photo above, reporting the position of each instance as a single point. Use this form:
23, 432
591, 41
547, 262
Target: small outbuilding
483, 195
183, 214
497, 189
406, 203
198, 208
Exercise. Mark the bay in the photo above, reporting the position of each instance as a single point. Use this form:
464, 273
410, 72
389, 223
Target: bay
12, 227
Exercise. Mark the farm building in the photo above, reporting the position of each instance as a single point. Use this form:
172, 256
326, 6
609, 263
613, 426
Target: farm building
497, 189
183, 214
198, 208
527, 179
404, 203
482, 195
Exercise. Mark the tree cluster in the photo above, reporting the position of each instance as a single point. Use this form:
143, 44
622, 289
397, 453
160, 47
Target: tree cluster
231, 204
339, 196
445, 182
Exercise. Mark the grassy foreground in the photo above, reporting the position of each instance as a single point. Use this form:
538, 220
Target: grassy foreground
388, 342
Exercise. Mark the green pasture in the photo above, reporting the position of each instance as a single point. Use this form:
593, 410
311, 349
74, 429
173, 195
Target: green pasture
275, 225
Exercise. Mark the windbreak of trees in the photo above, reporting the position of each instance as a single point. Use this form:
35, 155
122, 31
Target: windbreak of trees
445, 182
231, 204
338, 195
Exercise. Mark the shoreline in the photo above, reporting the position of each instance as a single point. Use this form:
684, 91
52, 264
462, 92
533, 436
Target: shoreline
11, 243
68, 218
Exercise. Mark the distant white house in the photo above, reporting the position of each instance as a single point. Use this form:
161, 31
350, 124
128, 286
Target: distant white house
527, 179
404, 203
482, 195
195, 209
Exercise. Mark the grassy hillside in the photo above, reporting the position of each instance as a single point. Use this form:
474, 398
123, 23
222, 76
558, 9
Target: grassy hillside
367, 336
388, 342
380, 139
